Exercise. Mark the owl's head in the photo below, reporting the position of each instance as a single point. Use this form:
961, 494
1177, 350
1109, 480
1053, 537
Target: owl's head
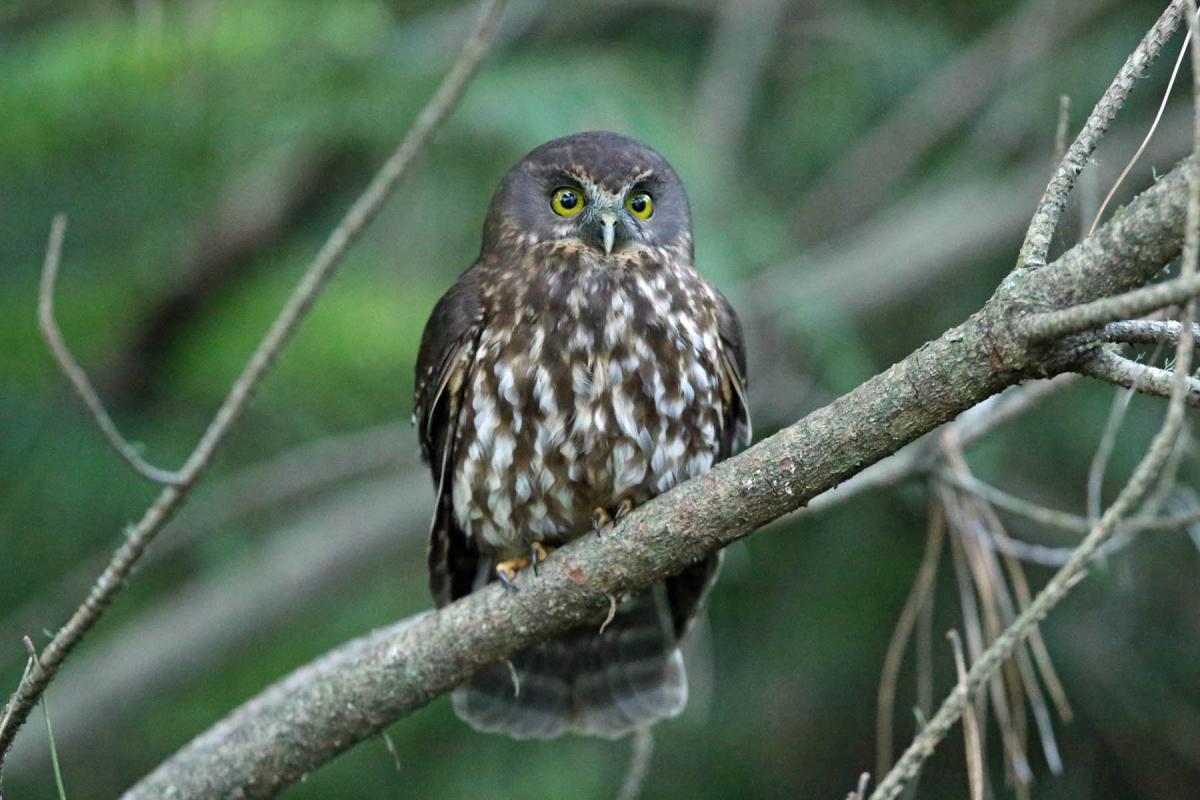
598, 190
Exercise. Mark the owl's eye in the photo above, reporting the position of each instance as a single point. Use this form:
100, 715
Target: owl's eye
640, 204
567, 202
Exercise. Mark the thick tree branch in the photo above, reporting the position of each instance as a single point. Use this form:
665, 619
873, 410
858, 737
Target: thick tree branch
139, 536
360, 688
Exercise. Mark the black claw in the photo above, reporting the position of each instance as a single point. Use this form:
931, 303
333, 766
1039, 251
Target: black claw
507, 581
600, 518
534, 557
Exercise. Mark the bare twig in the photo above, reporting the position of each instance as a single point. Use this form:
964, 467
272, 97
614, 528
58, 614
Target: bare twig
1062, 520
1053, 324
970, 724
1144, 331
1099, 463
1041, 228
1139, 484
79, 379
919, 597
984, 526
364, 209
1162, 106
1107, 365
860, 789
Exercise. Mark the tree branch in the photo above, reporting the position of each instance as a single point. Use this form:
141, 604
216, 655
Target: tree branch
75, 373
364, 209
1054, 324
358, 689
1036, 246
1106, 364
954, 706
1145, 331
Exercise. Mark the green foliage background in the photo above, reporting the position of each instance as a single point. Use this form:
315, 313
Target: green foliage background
160, 127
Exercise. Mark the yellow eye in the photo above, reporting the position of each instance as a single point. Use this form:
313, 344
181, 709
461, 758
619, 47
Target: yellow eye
567, 202
640, 204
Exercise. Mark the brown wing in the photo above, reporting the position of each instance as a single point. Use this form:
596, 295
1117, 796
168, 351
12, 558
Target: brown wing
443, 372
687, 590
737, 431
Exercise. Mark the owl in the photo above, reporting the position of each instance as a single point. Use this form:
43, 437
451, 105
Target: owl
578, 368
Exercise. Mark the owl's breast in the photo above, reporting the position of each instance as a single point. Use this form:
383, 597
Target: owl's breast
583, 396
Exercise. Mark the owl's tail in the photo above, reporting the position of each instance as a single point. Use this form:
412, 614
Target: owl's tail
601, 684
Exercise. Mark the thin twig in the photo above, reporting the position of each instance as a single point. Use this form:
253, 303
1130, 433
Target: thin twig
1041, 228
860, 790
364, 209
1062, 520
1135, 303
1099, 463
1107, 365
1162, 106
970, 724
75, 373
1144, 331
918, 597
1139, 484
1024, 681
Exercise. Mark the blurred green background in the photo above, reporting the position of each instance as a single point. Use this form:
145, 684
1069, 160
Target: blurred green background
860, 173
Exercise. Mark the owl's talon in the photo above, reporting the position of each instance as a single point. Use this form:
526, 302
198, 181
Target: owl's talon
624, 508
506, 571
537, 554
600, 521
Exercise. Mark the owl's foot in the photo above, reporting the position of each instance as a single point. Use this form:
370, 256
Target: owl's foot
602, 519
538, 553
506, 571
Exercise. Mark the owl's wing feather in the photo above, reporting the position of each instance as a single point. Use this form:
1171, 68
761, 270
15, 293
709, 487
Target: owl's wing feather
443, 374
687, 590
737, 429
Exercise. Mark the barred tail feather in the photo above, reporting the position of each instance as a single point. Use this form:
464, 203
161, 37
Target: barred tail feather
600, 684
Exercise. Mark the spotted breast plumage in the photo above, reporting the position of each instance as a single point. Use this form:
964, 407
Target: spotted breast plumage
579, 368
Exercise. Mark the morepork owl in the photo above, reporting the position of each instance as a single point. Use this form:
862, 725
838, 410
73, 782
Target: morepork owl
578, 368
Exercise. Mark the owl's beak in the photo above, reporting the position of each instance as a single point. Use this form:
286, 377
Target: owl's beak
608, 230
